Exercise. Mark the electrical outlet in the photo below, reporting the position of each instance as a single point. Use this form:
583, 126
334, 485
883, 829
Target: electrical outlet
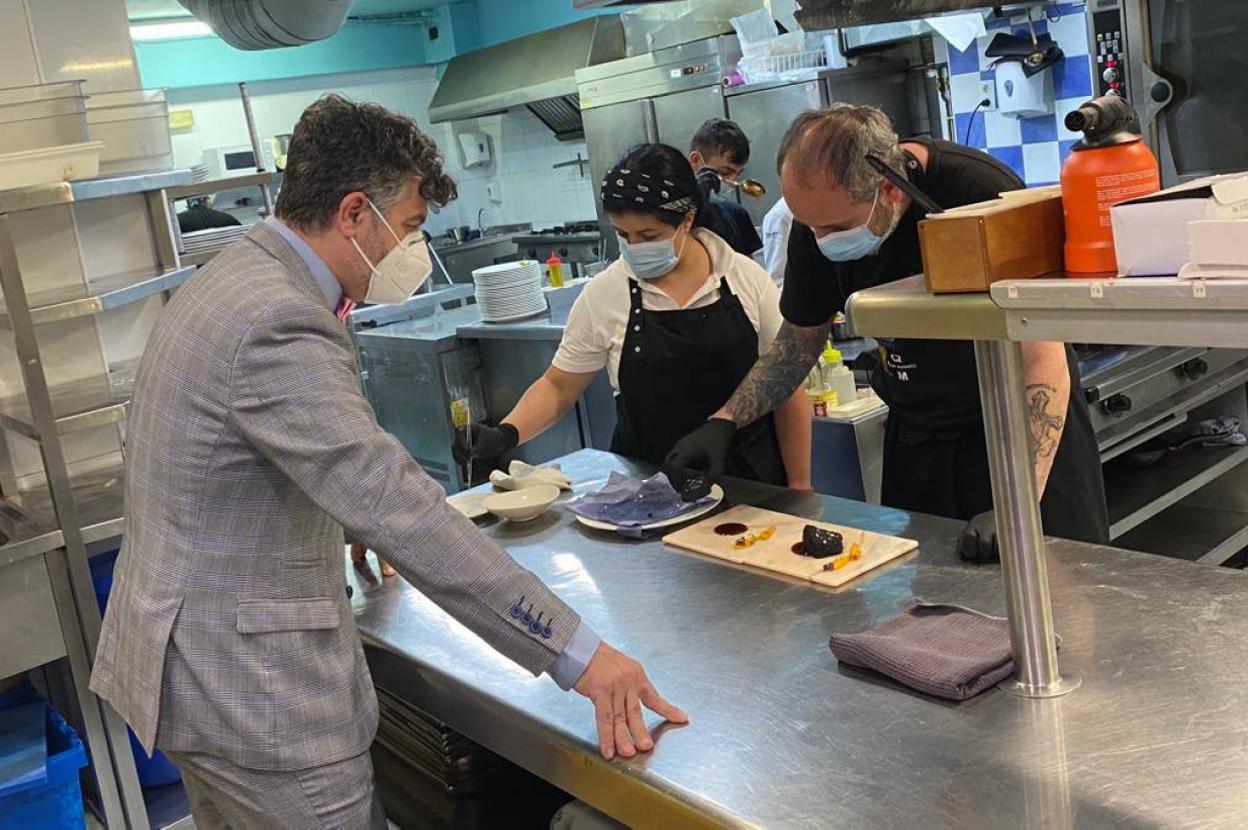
988, 90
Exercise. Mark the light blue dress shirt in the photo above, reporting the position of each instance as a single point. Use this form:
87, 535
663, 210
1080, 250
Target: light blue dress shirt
571, 664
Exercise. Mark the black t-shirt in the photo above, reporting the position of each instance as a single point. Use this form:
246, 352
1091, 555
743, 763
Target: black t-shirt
931, 382
733, 224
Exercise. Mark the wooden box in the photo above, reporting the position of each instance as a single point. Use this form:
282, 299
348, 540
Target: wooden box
1017, 236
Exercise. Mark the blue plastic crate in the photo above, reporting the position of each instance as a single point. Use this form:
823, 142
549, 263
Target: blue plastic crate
55, 804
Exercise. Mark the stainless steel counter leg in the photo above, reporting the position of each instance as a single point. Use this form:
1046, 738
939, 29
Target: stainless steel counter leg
1019, 533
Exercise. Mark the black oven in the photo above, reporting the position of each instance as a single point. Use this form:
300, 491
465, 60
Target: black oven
1184, 65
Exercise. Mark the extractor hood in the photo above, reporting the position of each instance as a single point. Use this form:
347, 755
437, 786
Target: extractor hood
537, 72
835, 14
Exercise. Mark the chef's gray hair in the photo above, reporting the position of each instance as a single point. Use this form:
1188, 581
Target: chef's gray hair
832, 144
341, 147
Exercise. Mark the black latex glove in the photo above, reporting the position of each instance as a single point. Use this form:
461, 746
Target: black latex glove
697, 460
487, 442
978, 542
708, 182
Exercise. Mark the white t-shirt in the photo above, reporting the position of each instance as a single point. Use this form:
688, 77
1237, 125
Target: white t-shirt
776, 227
594, 335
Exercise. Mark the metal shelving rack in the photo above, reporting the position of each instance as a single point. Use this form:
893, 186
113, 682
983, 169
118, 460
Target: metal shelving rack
48, 530
202, 255
1162, 311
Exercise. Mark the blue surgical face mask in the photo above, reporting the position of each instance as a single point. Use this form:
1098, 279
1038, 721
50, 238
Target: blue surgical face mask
852, 244
651, 260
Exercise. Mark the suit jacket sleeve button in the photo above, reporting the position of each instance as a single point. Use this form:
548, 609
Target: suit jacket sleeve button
547, 632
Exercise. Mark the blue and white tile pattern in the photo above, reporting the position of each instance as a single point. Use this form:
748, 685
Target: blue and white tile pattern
1034, 147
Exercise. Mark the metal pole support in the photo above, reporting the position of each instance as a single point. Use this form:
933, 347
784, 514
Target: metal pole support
256, 150
1019, 532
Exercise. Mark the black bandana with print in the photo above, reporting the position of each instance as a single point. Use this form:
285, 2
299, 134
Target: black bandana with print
624, 184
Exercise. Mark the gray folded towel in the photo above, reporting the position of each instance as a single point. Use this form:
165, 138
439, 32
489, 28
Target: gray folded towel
943, 650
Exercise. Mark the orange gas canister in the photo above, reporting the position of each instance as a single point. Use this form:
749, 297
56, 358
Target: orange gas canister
1109, 165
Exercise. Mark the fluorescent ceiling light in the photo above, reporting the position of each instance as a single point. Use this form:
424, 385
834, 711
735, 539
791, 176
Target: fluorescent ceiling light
174, 30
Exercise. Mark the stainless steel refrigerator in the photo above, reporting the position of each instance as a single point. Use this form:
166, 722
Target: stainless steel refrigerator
667, 94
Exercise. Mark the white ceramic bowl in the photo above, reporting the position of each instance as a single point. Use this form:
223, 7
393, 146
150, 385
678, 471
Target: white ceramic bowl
522, 505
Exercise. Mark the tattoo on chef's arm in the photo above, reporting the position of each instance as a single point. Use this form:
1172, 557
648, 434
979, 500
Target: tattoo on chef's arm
1048, 391
778, 372
1045, 422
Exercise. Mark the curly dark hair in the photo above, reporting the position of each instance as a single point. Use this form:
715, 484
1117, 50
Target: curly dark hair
340, 146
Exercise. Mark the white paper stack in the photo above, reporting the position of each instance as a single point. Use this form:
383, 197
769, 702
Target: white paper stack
511, 291
1151, 232
1219, 249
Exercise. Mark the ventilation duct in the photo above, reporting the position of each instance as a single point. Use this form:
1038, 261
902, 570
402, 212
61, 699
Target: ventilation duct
270, 24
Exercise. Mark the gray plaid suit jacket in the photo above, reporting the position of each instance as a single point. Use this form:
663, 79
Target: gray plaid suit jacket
249, 448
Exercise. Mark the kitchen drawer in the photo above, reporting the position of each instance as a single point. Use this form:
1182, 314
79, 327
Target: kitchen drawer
31, 633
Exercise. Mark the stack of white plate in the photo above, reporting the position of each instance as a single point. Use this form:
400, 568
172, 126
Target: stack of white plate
511, 291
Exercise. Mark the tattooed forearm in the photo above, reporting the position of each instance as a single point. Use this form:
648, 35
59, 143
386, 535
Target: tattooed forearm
1044, 424
778, 373
1048, 397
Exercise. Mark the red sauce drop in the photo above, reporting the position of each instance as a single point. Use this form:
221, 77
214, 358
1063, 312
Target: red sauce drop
731, 529
800, 549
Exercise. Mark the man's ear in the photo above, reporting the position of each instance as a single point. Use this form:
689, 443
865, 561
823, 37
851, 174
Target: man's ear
892, 193
351, 212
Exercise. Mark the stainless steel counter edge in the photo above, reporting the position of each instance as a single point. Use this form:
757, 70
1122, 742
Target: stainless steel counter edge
538, 327
905, 308
618, 789
1129, 311
781, 736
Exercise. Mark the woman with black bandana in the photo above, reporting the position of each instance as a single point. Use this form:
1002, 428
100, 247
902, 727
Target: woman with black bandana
677, 321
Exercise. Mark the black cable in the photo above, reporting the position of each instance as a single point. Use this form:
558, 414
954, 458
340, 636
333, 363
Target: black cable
987, 102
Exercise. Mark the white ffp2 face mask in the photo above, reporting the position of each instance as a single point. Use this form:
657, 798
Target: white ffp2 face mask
402, 271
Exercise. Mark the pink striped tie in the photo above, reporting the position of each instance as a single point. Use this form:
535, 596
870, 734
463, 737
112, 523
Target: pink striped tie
345, 306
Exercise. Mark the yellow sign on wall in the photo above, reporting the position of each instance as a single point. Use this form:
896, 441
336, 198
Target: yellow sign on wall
181, 119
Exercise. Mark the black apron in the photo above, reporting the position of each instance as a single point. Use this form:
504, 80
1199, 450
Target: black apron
940, 466
677, 368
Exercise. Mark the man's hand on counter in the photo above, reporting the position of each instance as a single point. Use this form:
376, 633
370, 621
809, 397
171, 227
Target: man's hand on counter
700, 454
618, 687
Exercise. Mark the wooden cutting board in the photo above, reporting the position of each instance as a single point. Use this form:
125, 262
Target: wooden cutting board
775, 554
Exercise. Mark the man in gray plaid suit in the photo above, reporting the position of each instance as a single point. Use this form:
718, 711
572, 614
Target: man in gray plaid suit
229, 641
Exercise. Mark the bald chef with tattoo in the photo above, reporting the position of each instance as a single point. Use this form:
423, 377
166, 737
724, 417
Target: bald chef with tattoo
854, 229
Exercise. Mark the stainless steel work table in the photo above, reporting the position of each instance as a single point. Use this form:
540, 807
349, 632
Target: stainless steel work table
782, 737
1158, 310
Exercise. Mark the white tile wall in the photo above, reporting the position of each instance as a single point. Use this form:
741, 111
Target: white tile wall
524, 150
1041, 162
